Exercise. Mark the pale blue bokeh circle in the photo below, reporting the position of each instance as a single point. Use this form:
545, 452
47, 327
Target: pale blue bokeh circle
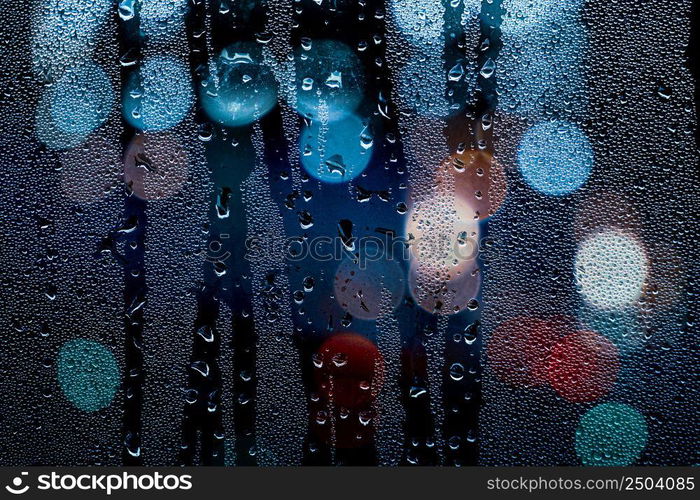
611, 434
159, 95
88, 374
162, 17
337, 152
555, 158
82, 99
240, 89
63, 33
330, 80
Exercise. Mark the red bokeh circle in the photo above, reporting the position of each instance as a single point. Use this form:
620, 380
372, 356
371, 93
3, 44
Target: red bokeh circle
519, 349
349, 370
583, 366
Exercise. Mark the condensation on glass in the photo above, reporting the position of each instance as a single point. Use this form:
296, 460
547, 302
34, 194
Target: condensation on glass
379, 232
